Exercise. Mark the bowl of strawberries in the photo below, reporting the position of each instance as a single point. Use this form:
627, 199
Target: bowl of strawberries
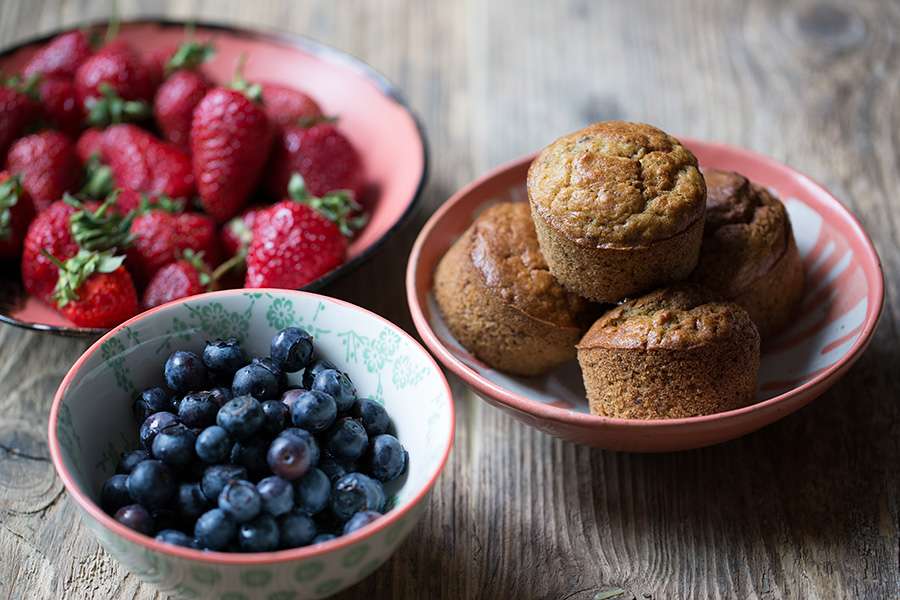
147, 161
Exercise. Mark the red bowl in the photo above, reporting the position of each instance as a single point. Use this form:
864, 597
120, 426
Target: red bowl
372, 111
840, 310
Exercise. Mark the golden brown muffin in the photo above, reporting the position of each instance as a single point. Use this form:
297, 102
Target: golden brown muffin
500, 301
671, 353
618, 208
749, 254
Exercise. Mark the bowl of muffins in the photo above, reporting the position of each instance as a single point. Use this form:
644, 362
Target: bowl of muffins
633, 291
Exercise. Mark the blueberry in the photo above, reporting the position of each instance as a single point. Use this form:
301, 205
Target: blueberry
306, 437
130, 459
259, 535
333, 468
216, 476
258, 379
354, 493
114, 493
175, 537
251, 454
373, 417
296, 529
360, 520
152, 400
224, 357
185, 372
215, 529
290, 397
153, 424
213, 445
387, 458
135, 516
292, 349
277, 495
198, 410
220, 395
174, 445
151, 484
290, 456
312, 491
338, 386
347, 440
240, 500
309, 374
190, 501
276, 415
314, 411
241, 417
324, 537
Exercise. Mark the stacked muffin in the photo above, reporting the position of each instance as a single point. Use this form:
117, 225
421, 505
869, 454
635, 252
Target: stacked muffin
619, 212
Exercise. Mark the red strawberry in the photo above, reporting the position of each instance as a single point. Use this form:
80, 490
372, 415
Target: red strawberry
288, 106
94, 290
48, 165
185, 277
60, 104
237, 233
197, 232
230, 139
174, 105
159, 236
89, 144
322, 155
17, 110
60, 57
114, 85
144, 163
16, 212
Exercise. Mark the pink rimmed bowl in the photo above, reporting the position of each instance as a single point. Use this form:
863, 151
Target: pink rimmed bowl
91, 425
839, 312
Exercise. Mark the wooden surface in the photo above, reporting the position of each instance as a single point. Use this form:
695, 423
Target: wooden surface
807, 508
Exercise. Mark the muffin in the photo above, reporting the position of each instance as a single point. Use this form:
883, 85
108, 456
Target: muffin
618, 208
749, 254
672, 353
500, 301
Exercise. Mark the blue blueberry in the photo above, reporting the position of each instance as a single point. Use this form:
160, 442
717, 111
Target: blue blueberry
152, 425
215, 529
347, 440
277, 495
217, 476
213, 445
151, 484
174, 445
198, 410
292, 349
176, 538
258, 380
114, 493
290, 456
373, 417
136, 517
259, 535
360, 520
324, 537
314, 411
224, 357
333, 468
220, 395
387, 458
190, 501
296, 529
276, 415
310, 372
355, 493
312, 492
306, 437
337, 385
152, 400
251, 454
241, 417
290, 397
185, 372
240, 500
130, 459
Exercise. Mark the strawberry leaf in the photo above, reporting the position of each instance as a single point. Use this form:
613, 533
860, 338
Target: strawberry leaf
307, 122
102, 229
10, 192
189, 55
98, 179
29, 86
78, 269
253, 91
337, 206
110, 108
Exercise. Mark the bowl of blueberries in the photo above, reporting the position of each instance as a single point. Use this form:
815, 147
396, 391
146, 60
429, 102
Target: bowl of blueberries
252, 443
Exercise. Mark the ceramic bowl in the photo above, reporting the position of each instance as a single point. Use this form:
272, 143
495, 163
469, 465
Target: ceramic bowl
372, 112
839, 312
91, 424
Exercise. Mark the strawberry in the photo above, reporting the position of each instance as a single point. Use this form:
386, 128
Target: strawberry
288, 106
17, 110
185, 277
93, 289
144, 163
321, 154
230, 139
174, 105
60, 104
60, 57
90, 143
114, 85
47, 164
236, 234
198, 232
16, 212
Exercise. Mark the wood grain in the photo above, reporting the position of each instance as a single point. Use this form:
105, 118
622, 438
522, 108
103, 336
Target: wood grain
807, 508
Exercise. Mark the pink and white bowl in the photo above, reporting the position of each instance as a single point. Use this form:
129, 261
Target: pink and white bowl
91, 424
839, 312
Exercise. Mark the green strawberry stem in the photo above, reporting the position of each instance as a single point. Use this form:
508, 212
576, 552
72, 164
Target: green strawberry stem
78, 269
253, 91
337, 206
208, 279
29, 86
112, 109
190, 53
307, 122
115, 20
10, 192
98, 179
170, 205
101, 229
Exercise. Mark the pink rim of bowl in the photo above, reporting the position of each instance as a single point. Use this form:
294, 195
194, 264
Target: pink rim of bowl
251, 558
625, 434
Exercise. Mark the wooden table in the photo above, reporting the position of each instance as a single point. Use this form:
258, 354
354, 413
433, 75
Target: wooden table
807, 508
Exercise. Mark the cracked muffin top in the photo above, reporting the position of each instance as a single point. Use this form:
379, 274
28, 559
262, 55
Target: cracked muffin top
678, 317
746, 232
504, 248
616, 183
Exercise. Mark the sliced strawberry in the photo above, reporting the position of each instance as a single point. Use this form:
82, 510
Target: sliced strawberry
16, 212
47, 164
93, 289
61, 57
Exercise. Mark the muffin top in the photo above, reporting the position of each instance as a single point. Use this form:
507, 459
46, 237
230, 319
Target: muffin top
678, 317
504, 248
617, 184
746, 232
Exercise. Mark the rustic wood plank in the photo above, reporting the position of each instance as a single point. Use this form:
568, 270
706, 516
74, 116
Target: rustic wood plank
806, 508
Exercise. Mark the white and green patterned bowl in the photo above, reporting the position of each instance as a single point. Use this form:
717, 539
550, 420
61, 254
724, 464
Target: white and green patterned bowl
91, 424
